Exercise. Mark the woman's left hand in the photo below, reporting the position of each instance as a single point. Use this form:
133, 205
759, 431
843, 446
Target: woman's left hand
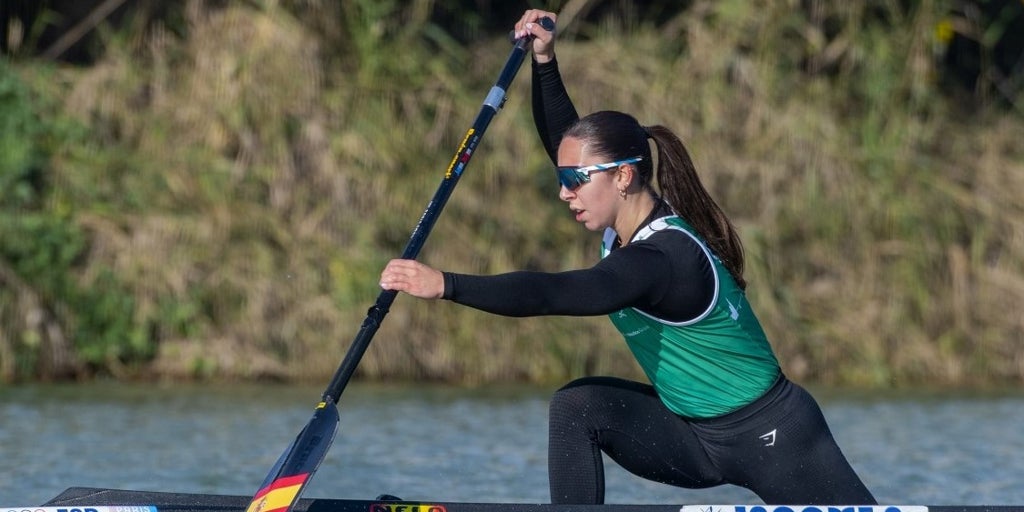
543, 39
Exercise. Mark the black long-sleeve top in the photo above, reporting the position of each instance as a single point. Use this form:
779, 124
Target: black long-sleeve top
553, 111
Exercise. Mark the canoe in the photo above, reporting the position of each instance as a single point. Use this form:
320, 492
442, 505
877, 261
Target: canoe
89, 499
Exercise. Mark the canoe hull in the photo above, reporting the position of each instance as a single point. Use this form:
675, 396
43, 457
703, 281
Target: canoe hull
79, 499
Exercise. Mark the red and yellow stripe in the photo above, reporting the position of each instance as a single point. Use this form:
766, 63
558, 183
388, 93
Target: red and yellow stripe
279, 495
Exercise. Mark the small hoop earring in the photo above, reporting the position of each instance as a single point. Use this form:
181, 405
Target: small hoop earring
622, 193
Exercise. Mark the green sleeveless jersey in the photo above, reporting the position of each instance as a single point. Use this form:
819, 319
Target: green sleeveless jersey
707, 366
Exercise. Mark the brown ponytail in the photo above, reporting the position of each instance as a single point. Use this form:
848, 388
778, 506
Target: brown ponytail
682, 188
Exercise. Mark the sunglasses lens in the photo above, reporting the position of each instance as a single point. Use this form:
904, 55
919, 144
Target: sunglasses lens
570, 177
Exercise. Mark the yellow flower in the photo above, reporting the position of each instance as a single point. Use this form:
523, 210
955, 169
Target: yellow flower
944, 30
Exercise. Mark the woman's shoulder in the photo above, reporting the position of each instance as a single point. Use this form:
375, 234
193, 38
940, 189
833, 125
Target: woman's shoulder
677, 242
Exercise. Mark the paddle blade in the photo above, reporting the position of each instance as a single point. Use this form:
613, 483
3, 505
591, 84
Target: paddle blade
297, 464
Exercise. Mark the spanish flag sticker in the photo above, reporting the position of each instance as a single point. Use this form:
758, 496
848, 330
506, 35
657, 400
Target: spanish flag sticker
279, 495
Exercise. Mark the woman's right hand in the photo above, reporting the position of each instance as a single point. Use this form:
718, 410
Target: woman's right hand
414, 278
543, 39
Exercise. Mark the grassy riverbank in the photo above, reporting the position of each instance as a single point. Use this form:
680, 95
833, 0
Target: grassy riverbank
216, 201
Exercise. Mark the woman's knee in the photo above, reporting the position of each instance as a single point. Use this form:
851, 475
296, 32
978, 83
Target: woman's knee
587, 392
600, 400
572, 400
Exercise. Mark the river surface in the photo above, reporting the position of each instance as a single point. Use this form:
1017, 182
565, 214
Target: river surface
437, 443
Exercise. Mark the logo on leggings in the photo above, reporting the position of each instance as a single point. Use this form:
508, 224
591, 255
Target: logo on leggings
768, 438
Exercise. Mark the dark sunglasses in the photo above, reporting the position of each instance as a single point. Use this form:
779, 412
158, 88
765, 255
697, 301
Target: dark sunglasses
571, 177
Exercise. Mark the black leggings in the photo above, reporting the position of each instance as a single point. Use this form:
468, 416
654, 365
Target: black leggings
779, 446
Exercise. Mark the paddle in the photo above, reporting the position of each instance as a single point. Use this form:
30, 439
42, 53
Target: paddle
289, 476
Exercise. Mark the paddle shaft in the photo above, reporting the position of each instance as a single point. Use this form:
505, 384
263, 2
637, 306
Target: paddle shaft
375, 316
288, 477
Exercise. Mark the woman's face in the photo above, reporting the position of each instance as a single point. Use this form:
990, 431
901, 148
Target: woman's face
593, 204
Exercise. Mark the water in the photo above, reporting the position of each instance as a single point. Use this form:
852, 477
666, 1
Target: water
437, 443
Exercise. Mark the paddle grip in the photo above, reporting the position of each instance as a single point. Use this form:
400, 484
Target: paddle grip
545, 23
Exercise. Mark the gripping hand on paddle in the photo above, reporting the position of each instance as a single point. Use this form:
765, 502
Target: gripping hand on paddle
543, 39
412, 277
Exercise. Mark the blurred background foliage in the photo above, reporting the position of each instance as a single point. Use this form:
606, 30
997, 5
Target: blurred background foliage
209, 189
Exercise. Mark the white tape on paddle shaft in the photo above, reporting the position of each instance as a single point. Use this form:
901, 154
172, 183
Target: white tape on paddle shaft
802, 508
84, 508
495, 98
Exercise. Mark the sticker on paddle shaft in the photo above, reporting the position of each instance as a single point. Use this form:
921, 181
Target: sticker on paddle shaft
84, 508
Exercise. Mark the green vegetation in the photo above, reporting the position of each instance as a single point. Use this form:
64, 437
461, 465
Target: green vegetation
215, 198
